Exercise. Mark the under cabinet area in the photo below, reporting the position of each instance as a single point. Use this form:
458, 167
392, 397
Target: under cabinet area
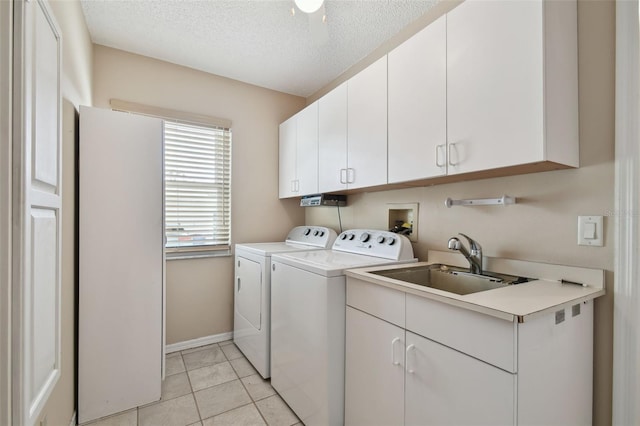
437, 364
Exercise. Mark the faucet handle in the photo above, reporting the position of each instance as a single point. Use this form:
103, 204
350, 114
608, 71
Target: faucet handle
474, 247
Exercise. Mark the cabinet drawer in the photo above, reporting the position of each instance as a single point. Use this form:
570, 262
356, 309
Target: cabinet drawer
379, 301
484, 337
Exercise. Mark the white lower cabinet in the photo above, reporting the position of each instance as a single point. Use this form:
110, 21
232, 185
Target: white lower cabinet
447, 387
374, 372
411, 360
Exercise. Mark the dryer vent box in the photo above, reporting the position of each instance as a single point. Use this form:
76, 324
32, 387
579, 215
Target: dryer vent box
403, 218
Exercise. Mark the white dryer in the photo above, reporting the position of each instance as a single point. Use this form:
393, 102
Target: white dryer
308, 304
252, 301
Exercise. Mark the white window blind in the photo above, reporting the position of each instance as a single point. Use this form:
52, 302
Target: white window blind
197, 186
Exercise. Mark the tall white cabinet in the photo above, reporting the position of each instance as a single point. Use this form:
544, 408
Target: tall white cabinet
121, 262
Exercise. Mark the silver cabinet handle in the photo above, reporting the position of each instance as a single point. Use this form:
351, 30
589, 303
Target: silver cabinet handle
393, 351
450, 156
351, 175
343, 176
438, 150
410, 348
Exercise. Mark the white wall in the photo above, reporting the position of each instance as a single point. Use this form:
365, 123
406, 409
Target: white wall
542, 227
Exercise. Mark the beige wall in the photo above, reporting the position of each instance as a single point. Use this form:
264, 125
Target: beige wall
543, 225
76, 90
200, 291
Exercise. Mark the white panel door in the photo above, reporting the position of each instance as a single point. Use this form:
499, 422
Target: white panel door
500, 122
121, 240
367, 126
37, 206
6, 63
447, 387
287, 159
249, 291
332, 140
418, 105
307, 150
374, 371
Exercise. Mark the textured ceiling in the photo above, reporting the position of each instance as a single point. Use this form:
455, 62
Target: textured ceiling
256, 41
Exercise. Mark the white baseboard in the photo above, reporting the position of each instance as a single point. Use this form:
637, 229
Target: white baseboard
74, 420
200, 341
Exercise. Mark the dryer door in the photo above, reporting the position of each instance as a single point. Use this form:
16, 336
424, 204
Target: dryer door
248, 290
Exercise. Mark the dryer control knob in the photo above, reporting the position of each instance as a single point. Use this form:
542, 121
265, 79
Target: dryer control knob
321, 233
343, 236
380, 239
391, 241
316, 233
352, 236
307, 231
364, 237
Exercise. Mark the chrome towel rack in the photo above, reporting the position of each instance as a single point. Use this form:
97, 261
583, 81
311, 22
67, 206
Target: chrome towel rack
504, 200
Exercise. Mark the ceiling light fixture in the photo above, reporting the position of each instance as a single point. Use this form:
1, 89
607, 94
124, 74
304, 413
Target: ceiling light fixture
309, 6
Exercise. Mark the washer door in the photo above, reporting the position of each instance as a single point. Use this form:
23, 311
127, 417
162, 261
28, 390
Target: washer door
248, 292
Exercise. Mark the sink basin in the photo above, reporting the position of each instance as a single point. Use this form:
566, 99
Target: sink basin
451, 278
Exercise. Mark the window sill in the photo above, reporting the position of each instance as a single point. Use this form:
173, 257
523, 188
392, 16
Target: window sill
182, 255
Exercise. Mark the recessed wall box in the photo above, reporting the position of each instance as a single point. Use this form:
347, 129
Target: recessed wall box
323, 200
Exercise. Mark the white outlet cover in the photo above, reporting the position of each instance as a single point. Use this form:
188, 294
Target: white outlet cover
590, 231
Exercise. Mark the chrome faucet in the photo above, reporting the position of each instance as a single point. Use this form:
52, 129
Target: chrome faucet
474, 257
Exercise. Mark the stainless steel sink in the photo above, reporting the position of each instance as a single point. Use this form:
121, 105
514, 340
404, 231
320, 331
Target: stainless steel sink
451, 278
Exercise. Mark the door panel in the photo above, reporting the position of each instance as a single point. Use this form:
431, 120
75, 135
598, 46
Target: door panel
307, 150
418, 105
367, 126
36, 263
374, 371
249, 291
332, 140
287, 158
447, 387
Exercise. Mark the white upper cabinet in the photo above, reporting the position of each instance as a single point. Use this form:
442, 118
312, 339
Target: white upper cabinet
511, 84
367, 127
332, 143
298, 154
418, 105
287, 158
307, 150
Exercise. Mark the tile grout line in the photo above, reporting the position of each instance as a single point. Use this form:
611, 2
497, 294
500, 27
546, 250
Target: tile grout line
193, 392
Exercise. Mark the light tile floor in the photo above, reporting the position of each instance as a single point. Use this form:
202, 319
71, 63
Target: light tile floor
206, 386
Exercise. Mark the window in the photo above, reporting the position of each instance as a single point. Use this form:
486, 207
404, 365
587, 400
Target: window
197, 186
197, 159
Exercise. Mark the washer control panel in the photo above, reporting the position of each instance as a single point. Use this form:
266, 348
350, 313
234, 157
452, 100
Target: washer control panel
317, 236
374, 243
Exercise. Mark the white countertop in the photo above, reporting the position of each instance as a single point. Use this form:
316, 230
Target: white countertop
514, 302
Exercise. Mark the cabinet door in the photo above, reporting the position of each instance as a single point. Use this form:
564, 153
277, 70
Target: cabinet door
374, 371
367, 126
418, 105
248, 294
307, 150
120, 295
332, 143
447, 387
494, 84
287, 158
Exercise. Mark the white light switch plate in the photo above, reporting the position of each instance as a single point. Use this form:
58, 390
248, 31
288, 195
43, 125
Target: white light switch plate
590, 231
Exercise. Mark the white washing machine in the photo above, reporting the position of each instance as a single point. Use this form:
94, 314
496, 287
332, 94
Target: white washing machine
252, 301
308, 304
